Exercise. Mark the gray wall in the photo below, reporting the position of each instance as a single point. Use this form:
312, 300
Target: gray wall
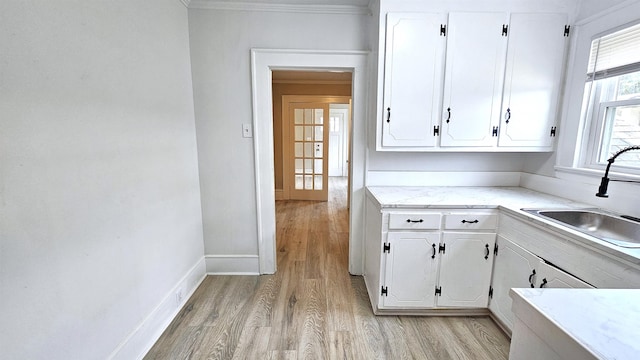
99, 195
220, 50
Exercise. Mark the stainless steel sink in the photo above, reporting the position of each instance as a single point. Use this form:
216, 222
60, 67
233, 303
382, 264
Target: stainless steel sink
597, 223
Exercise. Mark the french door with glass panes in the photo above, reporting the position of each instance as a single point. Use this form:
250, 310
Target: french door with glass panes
308, 152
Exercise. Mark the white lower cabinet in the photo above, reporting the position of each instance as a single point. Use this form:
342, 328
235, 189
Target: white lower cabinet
465, 269
515, 267
424, 271
420, 259
411, 269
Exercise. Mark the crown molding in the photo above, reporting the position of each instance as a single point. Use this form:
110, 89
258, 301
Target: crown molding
185, 3
271, 7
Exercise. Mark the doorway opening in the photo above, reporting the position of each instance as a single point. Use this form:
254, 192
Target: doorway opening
311, 122
263, 63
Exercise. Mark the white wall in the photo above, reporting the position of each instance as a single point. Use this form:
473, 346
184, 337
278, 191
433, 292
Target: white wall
100, 216
589, 8
552, 174
220, 50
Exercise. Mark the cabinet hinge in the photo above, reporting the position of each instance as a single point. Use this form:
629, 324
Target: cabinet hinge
384, 291
553, 132
443, 30
495, 249
490, 292
441, 248
567, 29
505, 29
439, 290
386, 248
436, 130
494, 131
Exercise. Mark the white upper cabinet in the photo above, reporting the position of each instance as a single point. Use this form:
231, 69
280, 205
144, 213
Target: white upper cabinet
413, 68
535, 59
475, 59
464, 81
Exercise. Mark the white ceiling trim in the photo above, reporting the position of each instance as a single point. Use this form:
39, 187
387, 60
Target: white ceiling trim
292, 8
185, 3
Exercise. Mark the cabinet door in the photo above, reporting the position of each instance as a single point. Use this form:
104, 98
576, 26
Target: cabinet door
465, 269
514, 267
552, 277
535, 59
413, 68
473, 79
411, 269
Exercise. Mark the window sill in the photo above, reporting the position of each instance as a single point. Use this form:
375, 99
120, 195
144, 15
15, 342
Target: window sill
565, 172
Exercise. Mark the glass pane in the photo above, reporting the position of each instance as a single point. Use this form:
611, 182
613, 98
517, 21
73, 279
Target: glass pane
317, 184
318, 116
308, 116
299, 134
319, 130
622, 129
308, 182
298, 149
308, 150
298, 166
308, 133
308, 166
319, 149
318, 166
628, 86
298, 115
298, 182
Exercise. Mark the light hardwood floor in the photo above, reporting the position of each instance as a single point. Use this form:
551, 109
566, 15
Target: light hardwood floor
312, 308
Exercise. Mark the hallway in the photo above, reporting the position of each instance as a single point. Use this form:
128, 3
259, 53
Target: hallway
312, 308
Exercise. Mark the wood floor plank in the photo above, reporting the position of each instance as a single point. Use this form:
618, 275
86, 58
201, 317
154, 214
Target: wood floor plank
253, 343
287, 310
313, 335
341, 345
425, 343
282, 355
312, 308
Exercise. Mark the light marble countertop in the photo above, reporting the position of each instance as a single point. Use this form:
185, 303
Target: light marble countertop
509, 199
466, 197
605, 322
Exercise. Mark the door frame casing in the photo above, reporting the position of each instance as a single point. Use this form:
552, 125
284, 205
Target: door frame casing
263, 61
286, 132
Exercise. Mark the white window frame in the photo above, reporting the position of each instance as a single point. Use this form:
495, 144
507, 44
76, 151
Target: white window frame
593, 117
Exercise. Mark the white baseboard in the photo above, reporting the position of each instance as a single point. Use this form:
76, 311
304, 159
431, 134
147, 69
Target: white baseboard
232, 264
140, 341
434, 178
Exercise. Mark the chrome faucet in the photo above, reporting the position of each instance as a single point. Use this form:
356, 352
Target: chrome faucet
604, 183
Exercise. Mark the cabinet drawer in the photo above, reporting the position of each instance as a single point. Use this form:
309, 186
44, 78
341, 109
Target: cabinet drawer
470, 221
414, 221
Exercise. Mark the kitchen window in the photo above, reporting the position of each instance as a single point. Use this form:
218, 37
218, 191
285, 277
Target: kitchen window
611, 104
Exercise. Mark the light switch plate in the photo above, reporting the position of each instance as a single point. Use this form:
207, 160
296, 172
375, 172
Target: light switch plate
247, 132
